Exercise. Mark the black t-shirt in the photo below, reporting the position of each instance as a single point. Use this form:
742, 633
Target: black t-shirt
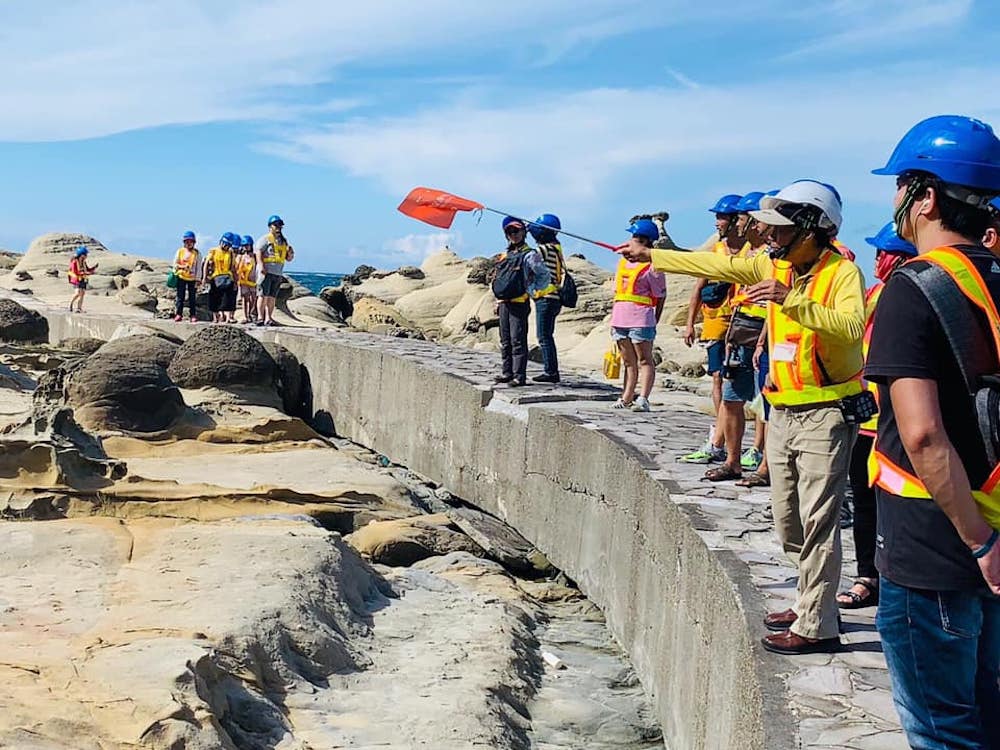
917, 546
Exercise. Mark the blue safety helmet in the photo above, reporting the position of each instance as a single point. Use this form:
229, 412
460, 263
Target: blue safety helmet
247, 240
275, 219
887, 239
994, 207
544, 228
749, 202
773, 192
726, 204
188, 236
226, 239
644, 228
958, 150
80, 251
508, 220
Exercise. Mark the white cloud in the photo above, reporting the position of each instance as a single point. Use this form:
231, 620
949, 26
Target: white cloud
415, 248
571, 148
87, 68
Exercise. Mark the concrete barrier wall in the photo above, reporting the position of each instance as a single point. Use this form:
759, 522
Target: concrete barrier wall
588, 501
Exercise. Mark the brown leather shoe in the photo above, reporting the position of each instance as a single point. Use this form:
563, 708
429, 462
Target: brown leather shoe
779, 621
793, 644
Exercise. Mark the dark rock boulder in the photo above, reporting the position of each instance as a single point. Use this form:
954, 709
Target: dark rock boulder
336, 298
19, 324
23, 276
223, 356
363, 271
80, 345
153, 349
119, 392
290, 380
410, 272
479, 271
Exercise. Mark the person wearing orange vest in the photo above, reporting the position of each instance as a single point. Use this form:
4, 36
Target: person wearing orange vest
815, 322
890, 253
991, 238
639, 294
715, 323
533, 278
187, 269
938, 504
79, 272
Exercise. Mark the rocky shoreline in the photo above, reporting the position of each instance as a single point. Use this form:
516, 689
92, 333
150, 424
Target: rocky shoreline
189, 563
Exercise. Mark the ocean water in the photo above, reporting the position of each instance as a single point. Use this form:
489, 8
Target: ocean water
316, 281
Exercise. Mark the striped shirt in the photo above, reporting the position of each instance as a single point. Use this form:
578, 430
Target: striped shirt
552, 254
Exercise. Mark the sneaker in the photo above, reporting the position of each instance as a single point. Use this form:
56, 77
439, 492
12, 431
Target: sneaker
751, 459
546, 378
717, 455
503, 378
708, 453
194, 319
620, 404
641, 403
178, 318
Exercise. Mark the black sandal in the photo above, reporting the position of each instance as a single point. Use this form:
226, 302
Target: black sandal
859, 601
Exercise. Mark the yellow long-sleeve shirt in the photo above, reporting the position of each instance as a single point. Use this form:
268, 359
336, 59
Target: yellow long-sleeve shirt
839, 324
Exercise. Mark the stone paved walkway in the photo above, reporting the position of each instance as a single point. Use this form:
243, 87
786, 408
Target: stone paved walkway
841, 700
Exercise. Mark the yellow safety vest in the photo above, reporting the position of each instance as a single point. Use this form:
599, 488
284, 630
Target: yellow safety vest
625, 280
715, 320
221, 261
274, 252
872, 297
186, 263
739, 300
796, 353
882, 472
245, 268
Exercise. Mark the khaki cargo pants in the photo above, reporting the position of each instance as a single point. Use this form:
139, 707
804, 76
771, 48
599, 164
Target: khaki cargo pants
808, 453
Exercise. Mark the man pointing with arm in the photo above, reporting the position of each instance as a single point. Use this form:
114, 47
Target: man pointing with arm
815, 325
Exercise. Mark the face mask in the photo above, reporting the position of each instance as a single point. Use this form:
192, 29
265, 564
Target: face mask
886, 263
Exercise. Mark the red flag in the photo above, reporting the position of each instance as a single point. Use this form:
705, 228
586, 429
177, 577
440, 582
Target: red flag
435, 207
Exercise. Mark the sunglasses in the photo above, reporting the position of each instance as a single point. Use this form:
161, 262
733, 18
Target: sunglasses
514, 230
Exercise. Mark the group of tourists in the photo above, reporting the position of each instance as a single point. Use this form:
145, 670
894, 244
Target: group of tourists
896, 390
236, 269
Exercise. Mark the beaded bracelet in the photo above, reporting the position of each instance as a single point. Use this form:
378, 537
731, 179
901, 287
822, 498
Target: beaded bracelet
987, 545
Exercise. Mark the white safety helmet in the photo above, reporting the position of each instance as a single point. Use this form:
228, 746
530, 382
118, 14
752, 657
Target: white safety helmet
805, 203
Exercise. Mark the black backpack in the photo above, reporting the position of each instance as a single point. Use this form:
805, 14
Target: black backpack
567, 292
715, 293
508, 283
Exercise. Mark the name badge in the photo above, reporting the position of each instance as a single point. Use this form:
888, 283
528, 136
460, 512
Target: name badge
784, 352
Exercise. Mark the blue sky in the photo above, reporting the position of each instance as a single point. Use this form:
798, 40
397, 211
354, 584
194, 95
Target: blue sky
132, 122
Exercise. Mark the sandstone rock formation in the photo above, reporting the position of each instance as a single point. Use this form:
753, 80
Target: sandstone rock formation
409, 540
81, 345
290, 380
116, 391
136, 297
19, 324
223, 356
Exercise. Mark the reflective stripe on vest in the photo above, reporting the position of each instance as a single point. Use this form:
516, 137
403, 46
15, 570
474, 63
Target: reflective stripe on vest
278, 252
625, 280
882, 472
796, 371
739, 297
872, 297
552, 256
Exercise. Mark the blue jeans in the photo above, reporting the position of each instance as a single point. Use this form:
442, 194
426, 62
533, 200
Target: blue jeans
546, 310
943, 652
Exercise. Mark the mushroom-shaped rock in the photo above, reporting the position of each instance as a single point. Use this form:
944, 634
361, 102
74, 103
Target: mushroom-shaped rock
119, 392
150, 348
221, 356
18, 323
479, 271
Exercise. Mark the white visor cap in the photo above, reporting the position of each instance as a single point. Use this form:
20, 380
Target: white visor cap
775, 209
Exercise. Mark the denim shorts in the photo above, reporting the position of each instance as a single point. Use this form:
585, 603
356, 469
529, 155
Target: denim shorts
716, 354
739, 385
645, 333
